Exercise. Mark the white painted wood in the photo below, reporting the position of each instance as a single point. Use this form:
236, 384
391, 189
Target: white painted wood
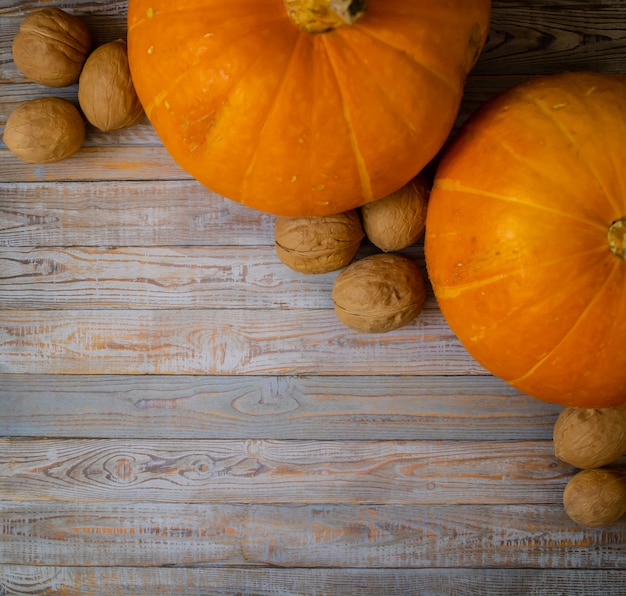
131, 213
345, 536
172, 277
271, 407
141, 581
262, 471
213, 429
230, 341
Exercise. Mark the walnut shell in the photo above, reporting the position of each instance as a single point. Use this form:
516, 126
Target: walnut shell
379, 293
590, 437
318, 244
51, 47
595, 497
106, 93
397, 220
44, 130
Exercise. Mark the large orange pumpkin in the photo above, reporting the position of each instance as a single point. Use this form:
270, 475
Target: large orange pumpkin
525, 238
303, 107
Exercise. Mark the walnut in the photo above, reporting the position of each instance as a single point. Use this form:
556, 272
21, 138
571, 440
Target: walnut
51, 47
44, 130
595, 497
379, 293
397, 220
318, 244
106, 93
590, 437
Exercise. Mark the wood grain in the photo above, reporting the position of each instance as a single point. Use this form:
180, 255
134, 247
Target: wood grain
141, 581
213, 341
161, 277
539, 38
156, 278
277, 471
279, 407
310, 536
133, 213
99, 163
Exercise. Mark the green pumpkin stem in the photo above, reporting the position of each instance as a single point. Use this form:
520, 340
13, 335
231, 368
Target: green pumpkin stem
320, 16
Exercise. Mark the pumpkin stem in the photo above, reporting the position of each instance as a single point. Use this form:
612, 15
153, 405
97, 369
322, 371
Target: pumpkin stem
617, 237
319, 16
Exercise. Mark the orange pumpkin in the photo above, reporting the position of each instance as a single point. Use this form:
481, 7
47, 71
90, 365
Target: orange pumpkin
525, 238
303, 107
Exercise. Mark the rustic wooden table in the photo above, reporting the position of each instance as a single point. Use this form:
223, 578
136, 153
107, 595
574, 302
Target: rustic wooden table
182, 414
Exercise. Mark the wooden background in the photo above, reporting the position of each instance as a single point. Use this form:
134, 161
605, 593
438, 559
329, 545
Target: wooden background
182, 414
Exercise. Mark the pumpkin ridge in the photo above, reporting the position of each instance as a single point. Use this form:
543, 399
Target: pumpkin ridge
364, 177
410, 125
451, 185
551, 117
160, 97
453, 291
585, 312
533, 167
544, 301
299, 40
436, 75
213, 133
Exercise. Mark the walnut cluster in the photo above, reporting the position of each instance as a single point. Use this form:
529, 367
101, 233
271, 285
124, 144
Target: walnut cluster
591, 439
53, 48
376, 293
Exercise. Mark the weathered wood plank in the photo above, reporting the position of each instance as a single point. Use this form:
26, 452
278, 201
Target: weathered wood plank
137, 581
282, 471
532, 38
235, 407
182, 277
99, 163
137, 213
235, 341
13, 93
332, 536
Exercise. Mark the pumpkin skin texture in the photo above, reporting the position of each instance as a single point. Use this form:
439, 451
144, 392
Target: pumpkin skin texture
525, 238
297, 123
